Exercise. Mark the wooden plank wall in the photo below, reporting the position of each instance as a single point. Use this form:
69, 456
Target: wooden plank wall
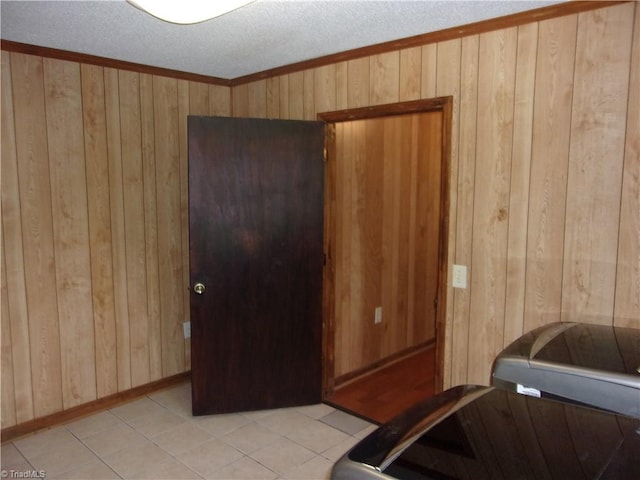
94, 230
386, 239
544, 207
545, 168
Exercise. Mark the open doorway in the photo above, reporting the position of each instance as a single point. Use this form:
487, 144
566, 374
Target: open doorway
386, 230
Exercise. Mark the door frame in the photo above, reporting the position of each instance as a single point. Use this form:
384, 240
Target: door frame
441, 104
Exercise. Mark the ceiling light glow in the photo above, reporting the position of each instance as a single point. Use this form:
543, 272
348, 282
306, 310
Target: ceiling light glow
187, 11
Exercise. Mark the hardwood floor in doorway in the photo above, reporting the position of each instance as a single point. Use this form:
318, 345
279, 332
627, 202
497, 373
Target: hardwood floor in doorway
386, 392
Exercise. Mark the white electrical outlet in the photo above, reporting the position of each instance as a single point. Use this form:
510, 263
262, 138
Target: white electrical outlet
377, 316
459, 276
186, 329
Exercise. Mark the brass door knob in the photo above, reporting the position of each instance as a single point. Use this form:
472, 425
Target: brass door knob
199, 288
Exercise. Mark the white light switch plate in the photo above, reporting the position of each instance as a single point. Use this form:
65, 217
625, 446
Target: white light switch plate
459, 276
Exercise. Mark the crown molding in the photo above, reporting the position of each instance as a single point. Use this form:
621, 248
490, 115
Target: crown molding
498, 23
70, 56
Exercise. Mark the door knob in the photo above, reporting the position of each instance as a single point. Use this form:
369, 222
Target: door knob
199, 288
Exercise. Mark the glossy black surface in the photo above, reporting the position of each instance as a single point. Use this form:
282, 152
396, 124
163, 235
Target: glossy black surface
596, 365
602, 347
482, 433
599, 347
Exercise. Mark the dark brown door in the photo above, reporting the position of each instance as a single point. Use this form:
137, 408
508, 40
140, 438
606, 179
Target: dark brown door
256, 228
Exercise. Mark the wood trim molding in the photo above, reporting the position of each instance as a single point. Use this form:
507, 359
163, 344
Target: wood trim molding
47, 52
443, 260
344, 380
11, 433
539, 14
444, 104
376, 111
484, 26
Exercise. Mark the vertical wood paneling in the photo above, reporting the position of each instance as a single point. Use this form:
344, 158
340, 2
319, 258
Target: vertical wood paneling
410, 73
496, 84
385, 78
118, 236
37, 233
134, 224
308, 97
406, 171
413, 245
8, 192
295, 95
198, 98
97, 171
358, 286
520, 180
152, 255
548, 177
427, 223
167, 148
219, 100
342, 83
6, 357
580, 209
387, 217
370, 201
257, 99
627, 301
356, 338
94, 222
447, 80
390, 231
15, 325
273, 97
398, 149
283, 107
240, 99
183, 113
429, 71
70, 228
358, 91
324, 88
600, 96
343, 287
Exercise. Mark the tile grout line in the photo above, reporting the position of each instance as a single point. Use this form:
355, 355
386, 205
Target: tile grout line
167, 406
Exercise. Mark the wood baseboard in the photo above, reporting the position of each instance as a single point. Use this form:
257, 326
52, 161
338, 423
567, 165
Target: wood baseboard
350, 377
58, 418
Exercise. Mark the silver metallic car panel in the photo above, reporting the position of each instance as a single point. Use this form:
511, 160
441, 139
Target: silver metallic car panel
478, 433
589, 364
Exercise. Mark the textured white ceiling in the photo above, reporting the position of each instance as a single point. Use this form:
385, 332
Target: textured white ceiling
262, 35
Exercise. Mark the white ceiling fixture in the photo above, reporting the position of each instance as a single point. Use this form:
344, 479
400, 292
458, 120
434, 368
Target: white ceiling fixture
188, 11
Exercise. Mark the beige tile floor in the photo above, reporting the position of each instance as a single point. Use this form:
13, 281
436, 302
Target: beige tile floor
156, 437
